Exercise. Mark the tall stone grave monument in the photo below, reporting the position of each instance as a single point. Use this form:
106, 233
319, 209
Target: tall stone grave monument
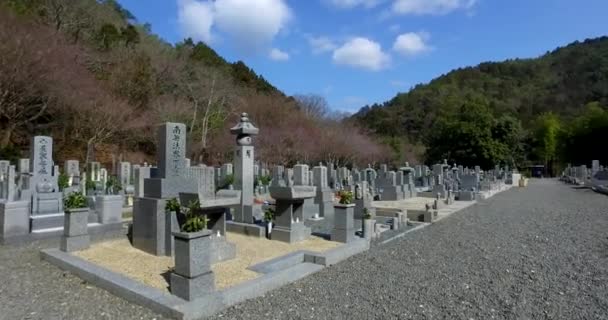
94, 184
72, 170
325, 196
124, 176
409, 186
140, 174
301, 178
14, 214
151, 227
439, 186
46, 200
370, 176
390, 191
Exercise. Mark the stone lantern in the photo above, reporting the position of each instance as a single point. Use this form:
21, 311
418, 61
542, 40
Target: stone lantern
243, 167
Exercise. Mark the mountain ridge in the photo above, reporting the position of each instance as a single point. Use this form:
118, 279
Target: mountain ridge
499, 82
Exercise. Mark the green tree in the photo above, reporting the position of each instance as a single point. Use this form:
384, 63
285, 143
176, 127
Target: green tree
508, 132
547, 131
466, 137
581, 140
129, 35
107, 36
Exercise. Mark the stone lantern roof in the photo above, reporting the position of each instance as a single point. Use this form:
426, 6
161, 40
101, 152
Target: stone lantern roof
244, 127
407, 168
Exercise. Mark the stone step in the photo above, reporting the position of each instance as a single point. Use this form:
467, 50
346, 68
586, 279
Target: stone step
53, 221
60, 229
46, 221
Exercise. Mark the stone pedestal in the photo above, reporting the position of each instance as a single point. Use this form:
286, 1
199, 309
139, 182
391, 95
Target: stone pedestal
289, 214
109, 209
344, 223
243, 174
151, 228
289, 224
192, 276
14, 219
75, 236
296, 232
310, 209
247, 229
47, 210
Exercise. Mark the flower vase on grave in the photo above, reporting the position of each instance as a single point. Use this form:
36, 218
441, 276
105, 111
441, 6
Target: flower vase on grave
75, 234
269, 230
344, 223
369, 226
192, 276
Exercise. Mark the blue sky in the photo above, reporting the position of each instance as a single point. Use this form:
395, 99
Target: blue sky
357, 52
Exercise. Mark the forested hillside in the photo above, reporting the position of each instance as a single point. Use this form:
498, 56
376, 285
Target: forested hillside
499, 111
91, 75
88, 73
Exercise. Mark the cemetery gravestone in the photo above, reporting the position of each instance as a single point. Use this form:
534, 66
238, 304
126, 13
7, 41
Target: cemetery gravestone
151, 225
324, 195
301, 178
72, 170
14, 215
46, 200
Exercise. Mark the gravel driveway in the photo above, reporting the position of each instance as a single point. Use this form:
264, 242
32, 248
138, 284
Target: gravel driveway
534, 253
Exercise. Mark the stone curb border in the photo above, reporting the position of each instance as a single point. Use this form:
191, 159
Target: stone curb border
277, 273
31, 237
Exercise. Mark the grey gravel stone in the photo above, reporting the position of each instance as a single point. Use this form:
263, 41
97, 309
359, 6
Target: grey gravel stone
534, 253
34, 289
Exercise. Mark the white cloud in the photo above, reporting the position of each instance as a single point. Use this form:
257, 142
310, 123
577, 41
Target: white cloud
437, 7
278, 55
411, 43
195, 19
251, 23
321, 44
361, 53
349, 4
